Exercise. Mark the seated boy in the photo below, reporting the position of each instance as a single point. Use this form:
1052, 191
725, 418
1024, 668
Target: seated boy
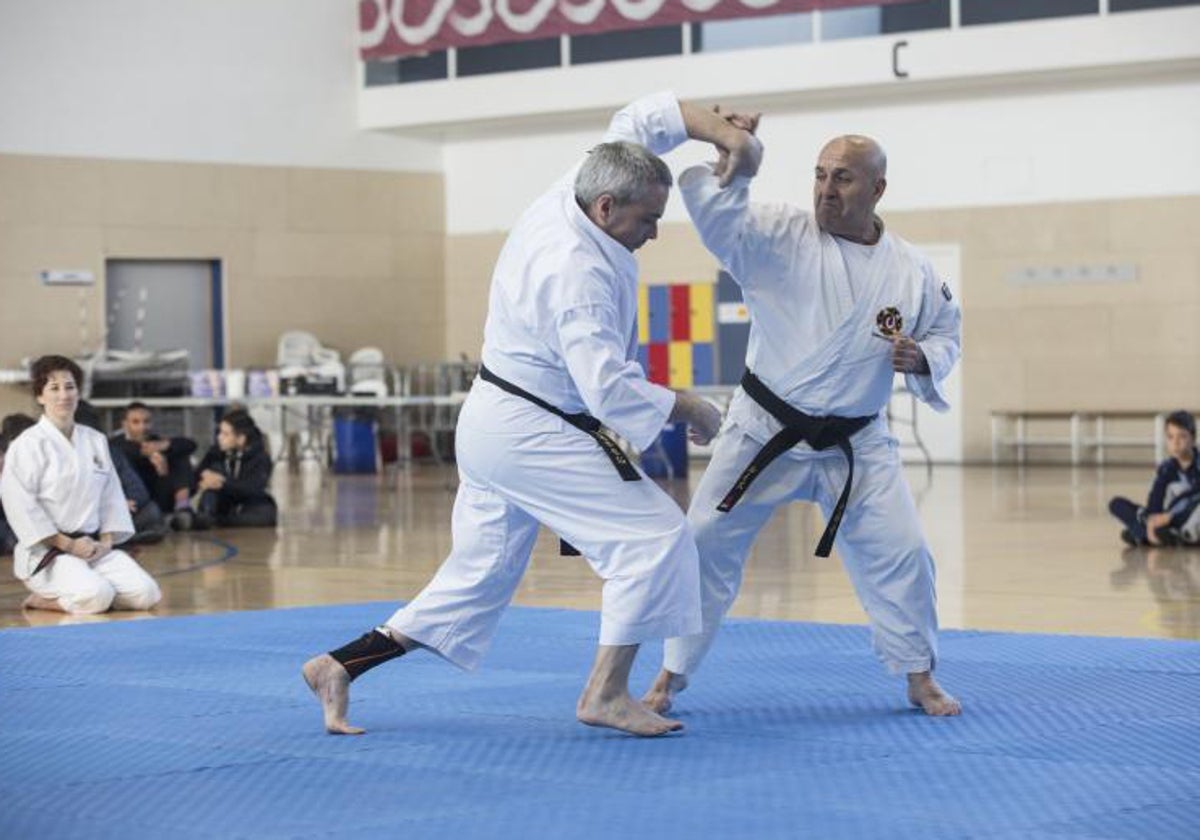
1171, 515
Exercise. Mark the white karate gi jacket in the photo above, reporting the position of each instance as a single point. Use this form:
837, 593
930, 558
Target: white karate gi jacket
53, 485
812, 324
562, 313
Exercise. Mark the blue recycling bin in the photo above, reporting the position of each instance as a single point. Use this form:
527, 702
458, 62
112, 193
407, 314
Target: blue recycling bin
354, 445
667, 457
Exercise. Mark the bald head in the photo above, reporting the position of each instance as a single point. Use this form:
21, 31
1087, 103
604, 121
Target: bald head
860, 149
851, 175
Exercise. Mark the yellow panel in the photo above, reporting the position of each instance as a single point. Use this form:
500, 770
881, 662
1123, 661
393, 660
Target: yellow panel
643, 314
701, 297
680, 362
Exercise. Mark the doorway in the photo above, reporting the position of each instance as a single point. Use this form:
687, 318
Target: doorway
160, 305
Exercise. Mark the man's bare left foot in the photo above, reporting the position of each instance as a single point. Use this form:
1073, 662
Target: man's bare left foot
330, 682
925, 693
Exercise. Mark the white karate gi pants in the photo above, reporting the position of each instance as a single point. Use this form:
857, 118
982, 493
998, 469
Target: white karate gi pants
880, 541
520, 465
83, 587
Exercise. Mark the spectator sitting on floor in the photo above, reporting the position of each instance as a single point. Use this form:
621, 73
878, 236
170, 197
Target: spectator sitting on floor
10, 427
234, 475
64, 501
149, 523
164, 464
1171, 515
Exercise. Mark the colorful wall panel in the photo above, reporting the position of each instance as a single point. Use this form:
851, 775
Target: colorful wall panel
676, 328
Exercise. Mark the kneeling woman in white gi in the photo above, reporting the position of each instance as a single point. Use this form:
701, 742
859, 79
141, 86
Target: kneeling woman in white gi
64, 502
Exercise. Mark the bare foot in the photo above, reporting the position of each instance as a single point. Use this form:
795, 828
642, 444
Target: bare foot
624, 713
925, 693
660, 695
37, 602
330, 682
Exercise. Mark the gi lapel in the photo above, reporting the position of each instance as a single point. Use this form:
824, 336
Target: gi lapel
860, 309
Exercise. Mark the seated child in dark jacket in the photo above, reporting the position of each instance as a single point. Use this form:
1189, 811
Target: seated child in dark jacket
1171, 515
234, 475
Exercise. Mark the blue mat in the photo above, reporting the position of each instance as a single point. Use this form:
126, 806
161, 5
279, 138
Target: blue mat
201, 727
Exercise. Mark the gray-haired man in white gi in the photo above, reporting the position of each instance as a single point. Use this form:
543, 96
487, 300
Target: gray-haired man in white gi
559, 359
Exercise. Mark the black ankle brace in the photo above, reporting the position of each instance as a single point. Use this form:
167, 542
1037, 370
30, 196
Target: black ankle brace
363, 654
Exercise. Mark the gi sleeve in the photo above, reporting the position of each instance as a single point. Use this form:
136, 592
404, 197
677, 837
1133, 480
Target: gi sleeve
749, 240
654, 121
940, 338
614, 389
20, 483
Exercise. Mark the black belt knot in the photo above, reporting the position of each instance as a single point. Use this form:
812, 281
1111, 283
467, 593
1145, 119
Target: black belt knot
584, 422
819, 432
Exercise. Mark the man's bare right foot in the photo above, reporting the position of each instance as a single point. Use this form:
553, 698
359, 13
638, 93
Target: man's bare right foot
330, 682
623, 713
661, 694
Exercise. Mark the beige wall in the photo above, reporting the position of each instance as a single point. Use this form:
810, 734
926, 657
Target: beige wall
1069, 346
355, 257
362, 258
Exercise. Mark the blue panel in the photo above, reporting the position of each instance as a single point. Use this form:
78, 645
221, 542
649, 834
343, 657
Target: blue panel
643, 358
732, 339
218, 318
702, 364
660, 314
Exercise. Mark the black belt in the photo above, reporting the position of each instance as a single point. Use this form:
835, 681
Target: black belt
584, 422
52, 552
819, 432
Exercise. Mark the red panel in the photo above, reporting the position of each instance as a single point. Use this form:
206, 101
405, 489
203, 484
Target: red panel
681, 312
660, 364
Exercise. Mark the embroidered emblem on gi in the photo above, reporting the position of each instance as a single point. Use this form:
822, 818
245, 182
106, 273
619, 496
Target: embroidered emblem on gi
890, 322
946, 292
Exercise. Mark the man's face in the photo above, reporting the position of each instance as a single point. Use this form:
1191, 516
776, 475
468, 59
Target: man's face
846, 189
1179, 441
635, 223
137, 424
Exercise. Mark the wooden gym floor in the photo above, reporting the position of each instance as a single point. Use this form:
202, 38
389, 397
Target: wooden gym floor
1026, 550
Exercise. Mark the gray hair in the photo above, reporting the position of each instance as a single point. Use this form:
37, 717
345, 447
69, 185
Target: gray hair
626, 171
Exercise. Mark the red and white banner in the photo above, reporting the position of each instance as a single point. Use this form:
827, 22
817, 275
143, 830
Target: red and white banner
396, 28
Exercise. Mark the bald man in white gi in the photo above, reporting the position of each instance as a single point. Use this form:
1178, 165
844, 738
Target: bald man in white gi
559, 359
838, 305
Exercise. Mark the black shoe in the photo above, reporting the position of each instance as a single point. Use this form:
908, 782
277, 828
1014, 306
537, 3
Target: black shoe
201, 521
182, 520
1168, 536
1128, 538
